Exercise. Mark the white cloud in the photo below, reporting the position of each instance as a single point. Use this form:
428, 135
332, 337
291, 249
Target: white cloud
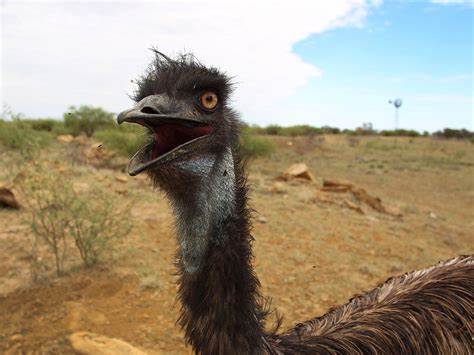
60, 53
448, 2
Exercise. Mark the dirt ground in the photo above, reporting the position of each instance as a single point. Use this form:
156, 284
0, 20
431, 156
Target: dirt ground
312, 251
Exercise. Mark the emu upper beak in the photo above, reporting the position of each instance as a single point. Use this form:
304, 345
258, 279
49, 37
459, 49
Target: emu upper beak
157, 110
173, 131
130, 115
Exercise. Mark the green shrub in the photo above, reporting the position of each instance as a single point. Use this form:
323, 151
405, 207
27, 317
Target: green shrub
43, 124
87, 119
272, 130
400, 133
18, 135
60, 217
253, 129
293, 131
454, 133
125, 140
252, 146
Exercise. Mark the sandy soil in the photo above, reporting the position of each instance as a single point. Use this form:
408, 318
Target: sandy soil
311, 252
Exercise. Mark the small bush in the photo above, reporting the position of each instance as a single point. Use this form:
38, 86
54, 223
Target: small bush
87, 119
94, 224
454, 133
48, 202
330, 130
18, 135
253, 129
59, 217
400, 133
44, 124
272, 130
252, 146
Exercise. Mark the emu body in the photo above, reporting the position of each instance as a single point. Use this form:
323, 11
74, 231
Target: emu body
193, 156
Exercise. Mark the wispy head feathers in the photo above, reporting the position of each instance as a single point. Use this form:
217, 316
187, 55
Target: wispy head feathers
179, 77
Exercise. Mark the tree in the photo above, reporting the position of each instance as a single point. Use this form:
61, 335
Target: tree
87, 119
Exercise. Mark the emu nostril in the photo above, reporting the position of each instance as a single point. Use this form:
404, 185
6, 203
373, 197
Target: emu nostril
149, 109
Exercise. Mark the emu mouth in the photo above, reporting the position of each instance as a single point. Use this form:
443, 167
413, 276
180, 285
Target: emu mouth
170, 137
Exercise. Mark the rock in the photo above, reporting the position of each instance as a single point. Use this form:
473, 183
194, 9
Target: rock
323, 197
16, 337
121, 178
433, 215
298, 256
121, 190
299, 170
353, 206
65, 138
374, 202
262, 220
289, 143
94, 344
7, 198
337, 183
335, 188
278, 187
80, 140
97, 151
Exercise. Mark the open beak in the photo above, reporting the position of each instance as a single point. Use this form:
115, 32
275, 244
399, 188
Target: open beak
172, 134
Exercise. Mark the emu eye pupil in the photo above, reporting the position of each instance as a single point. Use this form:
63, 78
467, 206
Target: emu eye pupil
208, 100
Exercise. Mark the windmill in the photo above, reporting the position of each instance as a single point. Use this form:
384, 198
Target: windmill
397, 103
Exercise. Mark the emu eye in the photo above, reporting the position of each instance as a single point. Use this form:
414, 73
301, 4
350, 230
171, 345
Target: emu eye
208, 100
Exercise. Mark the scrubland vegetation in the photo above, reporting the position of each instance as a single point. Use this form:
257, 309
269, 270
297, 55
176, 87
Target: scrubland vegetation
27, 135
110, 237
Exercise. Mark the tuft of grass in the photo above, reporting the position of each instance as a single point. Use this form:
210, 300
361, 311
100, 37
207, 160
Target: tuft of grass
18, 135
149, 279
252, 146
45, 124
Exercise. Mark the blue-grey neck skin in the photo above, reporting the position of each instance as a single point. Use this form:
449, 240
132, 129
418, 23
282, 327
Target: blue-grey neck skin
200, 216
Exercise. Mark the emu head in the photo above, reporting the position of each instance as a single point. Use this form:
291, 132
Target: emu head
189, 154
183, 105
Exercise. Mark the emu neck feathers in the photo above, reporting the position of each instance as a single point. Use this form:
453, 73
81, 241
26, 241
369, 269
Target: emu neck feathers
222, 310
201, 215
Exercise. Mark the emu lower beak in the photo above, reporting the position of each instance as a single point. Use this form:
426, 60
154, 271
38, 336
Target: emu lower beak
170, 137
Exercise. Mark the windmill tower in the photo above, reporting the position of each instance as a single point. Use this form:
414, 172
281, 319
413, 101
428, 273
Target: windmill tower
397, 103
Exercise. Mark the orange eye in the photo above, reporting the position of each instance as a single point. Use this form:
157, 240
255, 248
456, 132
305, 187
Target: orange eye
208, 100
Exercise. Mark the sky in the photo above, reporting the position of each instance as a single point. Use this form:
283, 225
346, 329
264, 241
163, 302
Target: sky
335, 63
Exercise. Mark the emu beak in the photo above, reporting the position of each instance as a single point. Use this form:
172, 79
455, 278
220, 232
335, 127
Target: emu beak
173, 131
128, 116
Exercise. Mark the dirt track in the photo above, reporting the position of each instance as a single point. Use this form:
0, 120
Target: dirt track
310, 253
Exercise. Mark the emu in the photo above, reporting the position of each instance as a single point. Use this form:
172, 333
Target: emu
193, 156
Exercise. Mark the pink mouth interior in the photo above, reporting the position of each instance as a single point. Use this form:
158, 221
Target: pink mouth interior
169, 136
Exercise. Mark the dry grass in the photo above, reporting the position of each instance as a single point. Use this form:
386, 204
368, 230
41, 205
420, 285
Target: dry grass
309, 255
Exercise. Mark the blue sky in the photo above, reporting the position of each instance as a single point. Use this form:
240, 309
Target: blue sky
312, 62
420, 52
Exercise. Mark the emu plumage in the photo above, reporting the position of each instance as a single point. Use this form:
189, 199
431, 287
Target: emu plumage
193, 156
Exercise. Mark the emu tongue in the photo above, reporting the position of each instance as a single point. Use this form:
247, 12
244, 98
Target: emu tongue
169, 136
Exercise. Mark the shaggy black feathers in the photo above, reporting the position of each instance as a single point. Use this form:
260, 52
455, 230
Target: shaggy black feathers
423, 312
179, 77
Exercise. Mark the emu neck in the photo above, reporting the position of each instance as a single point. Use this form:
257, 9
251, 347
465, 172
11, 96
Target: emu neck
221, 309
